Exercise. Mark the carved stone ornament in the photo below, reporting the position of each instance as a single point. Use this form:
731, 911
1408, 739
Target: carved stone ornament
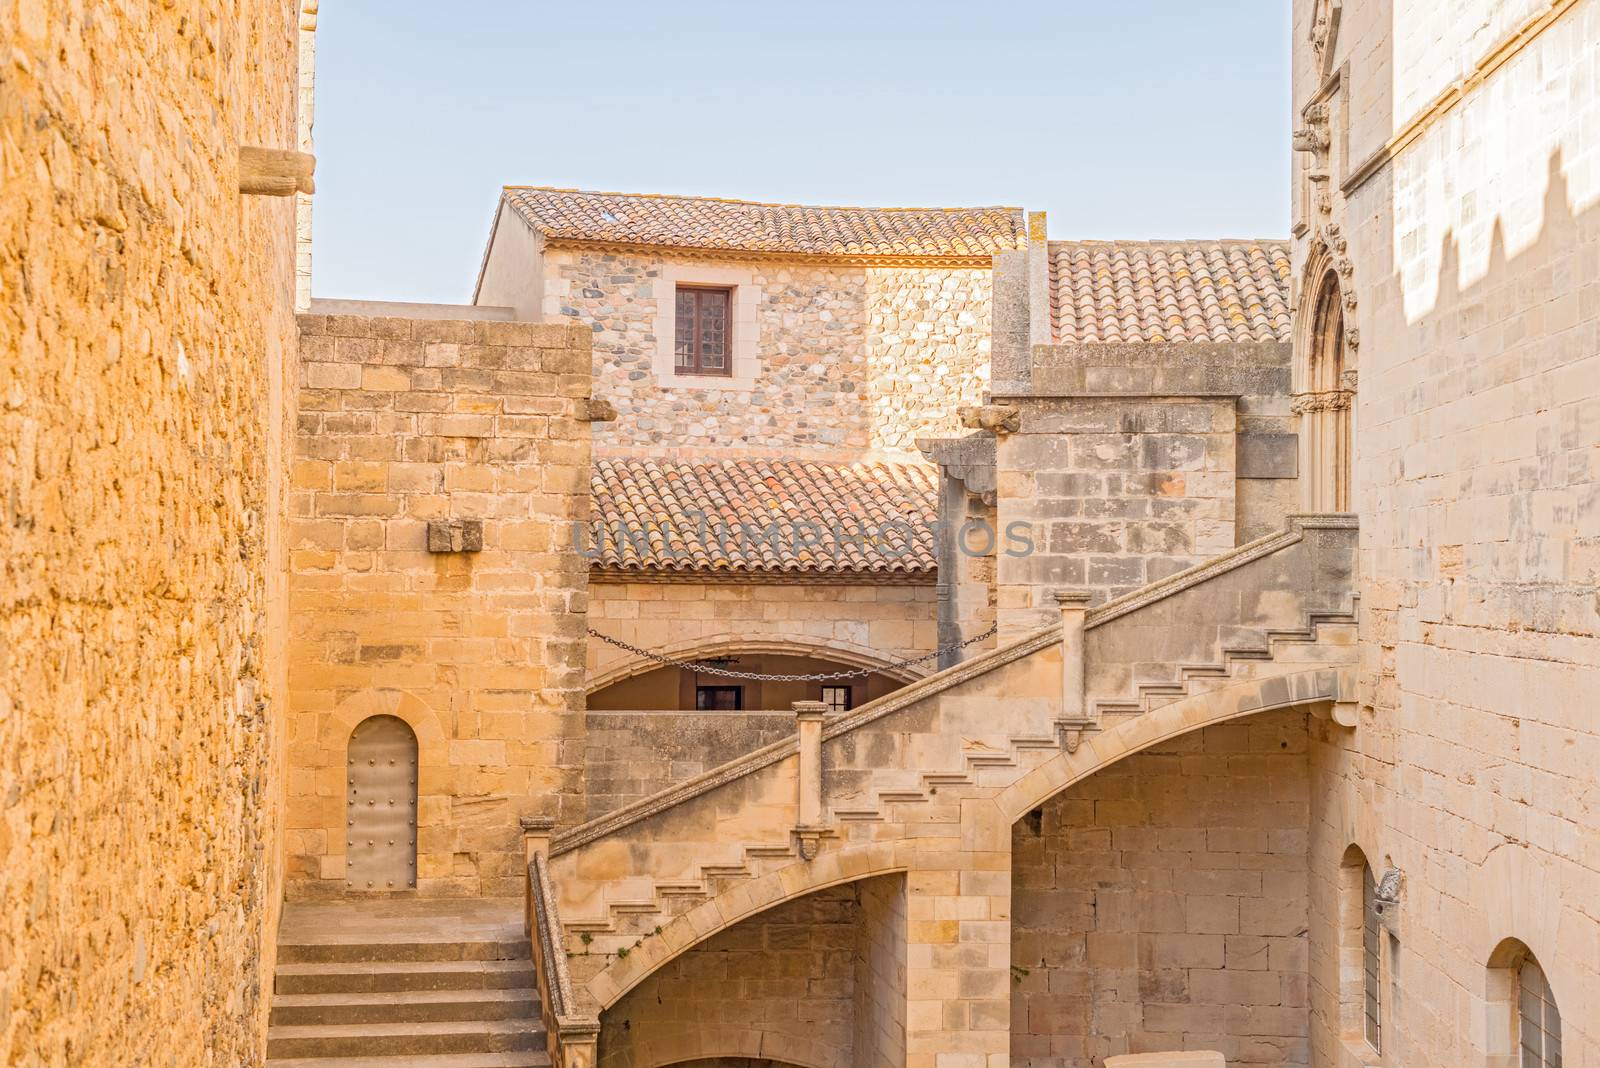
1325, 33
995, 418
1347, 379
1331, 400
276, 172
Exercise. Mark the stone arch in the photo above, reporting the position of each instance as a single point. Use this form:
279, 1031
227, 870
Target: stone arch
1354, 942
1325, 381
718, 1045
1511, 968
1510, 899
1316, 686
849, 864
381, 805
723, 644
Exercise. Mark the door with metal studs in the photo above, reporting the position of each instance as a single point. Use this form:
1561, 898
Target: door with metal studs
381, 806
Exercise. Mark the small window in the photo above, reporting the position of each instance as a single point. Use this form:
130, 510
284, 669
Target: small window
719, 698
702, 321
1538, 1022
837, 698
1370, 927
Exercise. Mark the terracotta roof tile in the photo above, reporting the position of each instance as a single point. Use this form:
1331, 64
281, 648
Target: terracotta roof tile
1170, 291
767, 229
762, 515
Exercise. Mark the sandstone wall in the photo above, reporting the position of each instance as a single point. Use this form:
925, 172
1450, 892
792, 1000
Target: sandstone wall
404, 422
825, 358
1471, 255
1161, 904
146, 325
860, 625
631, 755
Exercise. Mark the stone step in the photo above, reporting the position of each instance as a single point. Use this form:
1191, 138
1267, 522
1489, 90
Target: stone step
405, 1006
378, 976
393, 1039
523, 1059
354, 952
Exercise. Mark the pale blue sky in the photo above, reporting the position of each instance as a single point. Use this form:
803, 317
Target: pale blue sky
1140, 119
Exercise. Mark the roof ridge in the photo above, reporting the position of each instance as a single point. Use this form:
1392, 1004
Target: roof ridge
753, 203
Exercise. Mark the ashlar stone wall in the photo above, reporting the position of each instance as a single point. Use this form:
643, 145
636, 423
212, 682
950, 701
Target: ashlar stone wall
1161, 904
1470, 256
406, 422
146, 330
826, 358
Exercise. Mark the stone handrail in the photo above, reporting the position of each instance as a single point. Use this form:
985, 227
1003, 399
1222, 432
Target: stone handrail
1032, 642
571, 1037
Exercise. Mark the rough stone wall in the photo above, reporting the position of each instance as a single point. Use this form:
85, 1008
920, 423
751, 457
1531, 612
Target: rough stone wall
839, 359
865, 624
1108, 494
403, 422
779, 986
630, 755
1472, 261
146, 321
1161, 904
927, 350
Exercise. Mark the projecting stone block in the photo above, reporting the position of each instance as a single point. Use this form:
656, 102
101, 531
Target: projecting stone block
455, 536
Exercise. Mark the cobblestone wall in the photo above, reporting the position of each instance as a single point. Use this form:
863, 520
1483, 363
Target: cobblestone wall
1161, 904
834, 359
146, 322
404, 422
1469, 261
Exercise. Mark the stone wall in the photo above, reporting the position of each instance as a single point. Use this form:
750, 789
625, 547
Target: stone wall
404, 422
1469, 257
780, 986
1161, 904
832, 359
631, 755
858, 625
146, 328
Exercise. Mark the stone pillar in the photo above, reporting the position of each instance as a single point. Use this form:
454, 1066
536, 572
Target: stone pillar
536, 834
808, 716
1075, 717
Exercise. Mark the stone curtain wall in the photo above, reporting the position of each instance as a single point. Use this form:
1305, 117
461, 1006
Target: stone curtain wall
781, 986
1112, 493
402, 422
880, 1010
1473, 258
846, 359
1161, 904
631, 755
927, 350
146, 320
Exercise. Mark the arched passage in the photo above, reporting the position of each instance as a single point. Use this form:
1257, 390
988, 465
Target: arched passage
381, 806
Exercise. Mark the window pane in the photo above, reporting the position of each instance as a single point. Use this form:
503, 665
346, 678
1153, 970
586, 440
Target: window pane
683, 342
713, 330
1369, 957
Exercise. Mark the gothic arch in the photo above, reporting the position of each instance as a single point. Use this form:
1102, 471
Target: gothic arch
1325, 378
845, 652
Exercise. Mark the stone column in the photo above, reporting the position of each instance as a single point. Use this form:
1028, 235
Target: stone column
808, 716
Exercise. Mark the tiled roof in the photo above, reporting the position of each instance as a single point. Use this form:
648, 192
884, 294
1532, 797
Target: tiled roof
1169, 290
748, 515
708, 223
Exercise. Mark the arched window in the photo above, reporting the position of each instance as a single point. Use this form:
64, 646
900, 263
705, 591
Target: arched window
1371, 968
1524, 1024
1324, 401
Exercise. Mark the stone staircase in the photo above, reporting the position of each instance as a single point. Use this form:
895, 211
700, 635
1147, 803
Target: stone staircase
405, 984
1267, 625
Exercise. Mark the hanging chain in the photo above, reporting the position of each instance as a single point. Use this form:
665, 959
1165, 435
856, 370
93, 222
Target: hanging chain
706, 667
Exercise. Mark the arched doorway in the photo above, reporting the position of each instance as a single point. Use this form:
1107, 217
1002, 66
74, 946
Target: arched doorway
381, 806
1325, 399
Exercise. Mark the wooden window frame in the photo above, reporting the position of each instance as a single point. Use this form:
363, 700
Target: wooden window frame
696, 368
738, 698
849, 698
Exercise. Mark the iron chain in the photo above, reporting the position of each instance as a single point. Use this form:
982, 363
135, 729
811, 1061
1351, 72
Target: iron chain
707, 668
